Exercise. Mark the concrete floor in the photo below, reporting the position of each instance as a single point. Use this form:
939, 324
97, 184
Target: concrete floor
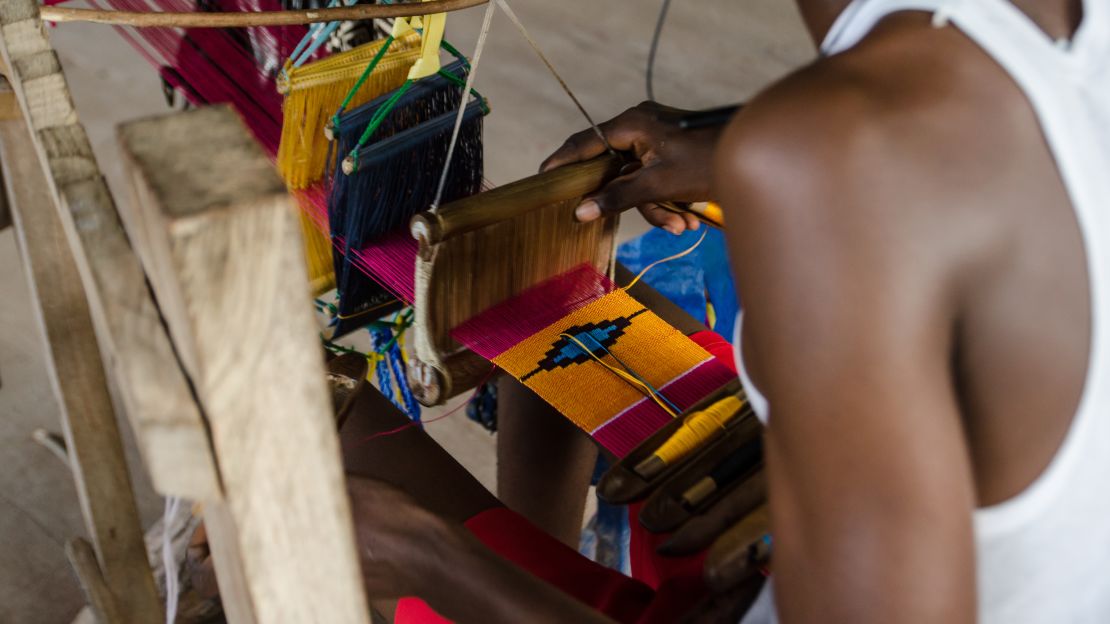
713, 52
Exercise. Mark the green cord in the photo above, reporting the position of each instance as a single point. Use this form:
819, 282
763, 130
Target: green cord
453, 51
362, 79
459, 82
377, 120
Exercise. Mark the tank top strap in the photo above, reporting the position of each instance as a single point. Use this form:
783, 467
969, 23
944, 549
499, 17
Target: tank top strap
860, 16
1002, 29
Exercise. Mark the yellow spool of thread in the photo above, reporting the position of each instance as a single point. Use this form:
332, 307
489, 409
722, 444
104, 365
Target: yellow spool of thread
699, 428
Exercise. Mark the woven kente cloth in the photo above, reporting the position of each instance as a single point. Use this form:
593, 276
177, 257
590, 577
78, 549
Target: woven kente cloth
613, 325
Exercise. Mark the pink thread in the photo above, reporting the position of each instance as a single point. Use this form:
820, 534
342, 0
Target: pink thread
382, 434
390, 260
510, 322
212, 66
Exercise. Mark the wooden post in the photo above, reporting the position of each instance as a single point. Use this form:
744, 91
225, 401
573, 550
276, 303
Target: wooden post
9, 110
171, 434
78, 381
223, 244
82, 558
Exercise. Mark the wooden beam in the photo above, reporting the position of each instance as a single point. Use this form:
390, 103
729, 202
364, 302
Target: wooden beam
78, 381
224, 244
513, 200
244, 19
9, 109
9, 104
82, 558
169, 429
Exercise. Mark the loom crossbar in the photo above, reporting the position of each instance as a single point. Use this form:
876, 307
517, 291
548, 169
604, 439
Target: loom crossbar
513, 200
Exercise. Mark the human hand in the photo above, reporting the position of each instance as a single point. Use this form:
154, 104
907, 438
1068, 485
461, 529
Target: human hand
670, 164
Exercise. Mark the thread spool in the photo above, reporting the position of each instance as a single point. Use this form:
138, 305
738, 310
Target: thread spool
699, 428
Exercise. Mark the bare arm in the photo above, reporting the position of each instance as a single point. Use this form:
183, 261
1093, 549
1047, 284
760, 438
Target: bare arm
849, 317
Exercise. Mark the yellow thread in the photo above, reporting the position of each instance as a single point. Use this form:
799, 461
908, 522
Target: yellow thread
667, 259
623, 375
318, 256
699, 428
314, 91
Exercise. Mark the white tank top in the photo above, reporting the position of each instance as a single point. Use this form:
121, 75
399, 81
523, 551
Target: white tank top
1043, 556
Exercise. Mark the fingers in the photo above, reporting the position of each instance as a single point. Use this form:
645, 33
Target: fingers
662, 218
581, 146
701, 531
622, 132
628, 191
692, 221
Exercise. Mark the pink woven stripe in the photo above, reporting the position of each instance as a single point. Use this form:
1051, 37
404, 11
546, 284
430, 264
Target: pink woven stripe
510, 322
630, 428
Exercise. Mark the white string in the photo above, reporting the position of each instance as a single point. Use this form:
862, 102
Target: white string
169, 562
551, 68
486, 21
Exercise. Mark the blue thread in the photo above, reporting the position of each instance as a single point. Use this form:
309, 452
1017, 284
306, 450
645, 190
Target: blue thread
400, 372
317, 35
378, 338
634, 374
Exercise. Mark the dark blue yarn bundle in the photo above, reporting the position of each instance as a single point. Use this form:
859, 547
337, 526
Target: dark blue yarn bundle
397, 175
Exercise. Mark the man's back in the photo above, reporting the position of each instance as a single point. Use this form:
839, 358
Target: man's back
918, 312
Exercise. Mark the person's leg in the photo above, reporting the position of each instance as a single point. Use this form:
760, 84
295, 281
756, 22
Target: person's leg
544, 462
380, 442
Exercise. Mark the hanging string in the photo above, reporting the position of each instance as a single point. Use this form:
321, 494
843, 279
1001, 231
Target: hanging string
551, 68
169, 563
409, 425
649, 74
317, 35
667, 259
479, 46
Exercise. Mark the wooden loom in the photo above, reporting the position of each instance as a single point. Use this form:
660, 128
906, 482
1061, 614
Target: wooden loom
480, 251
190, 365
196, 367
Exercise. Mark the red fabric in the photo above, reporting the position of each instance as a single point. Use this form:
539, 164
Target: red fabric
677, 580
521, 542
717, 346
663, 588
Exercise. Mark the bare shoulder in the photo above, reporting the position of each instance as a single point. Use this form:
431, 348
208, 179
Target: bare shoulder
873, 149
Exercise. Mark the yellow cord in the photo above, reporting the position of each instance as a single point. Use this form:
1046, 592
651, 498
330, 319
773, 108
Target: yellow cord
667, 259
698, 428
623, 375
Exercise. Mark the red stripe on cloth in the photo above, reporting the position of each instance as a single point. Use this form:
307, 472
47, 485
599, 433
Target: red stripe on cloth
629, 429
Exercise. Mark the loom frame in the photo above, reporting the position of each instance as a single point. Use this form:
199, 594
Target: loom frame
439, 367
